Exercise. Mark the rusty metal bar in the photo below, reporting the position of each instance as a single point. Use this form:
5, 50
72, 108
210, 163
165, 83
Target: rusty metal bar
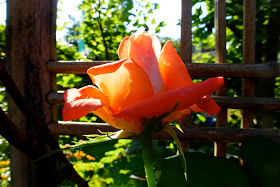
270, 69
186, 31
220, 58
186, 52
223, 101
207, 134
249, 42
53, 80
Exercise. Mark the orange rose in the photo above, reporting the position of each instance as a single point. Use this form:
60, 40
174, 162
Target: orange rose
146, 82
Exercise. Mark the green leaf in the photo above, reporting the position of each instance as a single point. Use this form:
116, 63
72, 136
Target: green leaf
262, 157
168, 129
145, 18
156, 6
150, 11
203, 171
169, 172
134, 148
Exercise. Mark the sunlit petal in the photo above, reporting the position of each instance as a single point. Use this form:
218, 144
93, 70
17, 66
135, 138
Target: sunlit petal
164, 102
124, 86
71, 95
131, 124
104, 69
144, 49
87, 92
172, 68
79, 108
128, 123
124, 48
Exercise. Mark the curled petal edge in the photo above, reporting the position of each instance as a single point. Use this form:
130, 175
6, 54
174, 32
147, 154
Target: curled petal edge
163, 102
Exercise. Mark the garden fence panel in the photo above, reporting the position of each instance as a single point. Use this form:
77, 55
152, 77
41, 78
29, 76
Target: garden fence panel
249, 71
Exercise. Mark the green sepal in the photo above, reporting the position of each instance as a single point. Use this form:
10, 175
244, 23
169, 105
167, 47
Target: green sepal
168, 129
154, 125
122, 134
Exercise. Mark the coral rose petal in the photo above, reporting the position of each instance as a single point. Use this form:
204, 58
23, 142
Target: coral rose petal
125, 85
164, 102
104, 69
106, 115
144, 49
208, 105
172, 68
87, 92
181, 113
124, 48
130, 124
195, 108
127, 123
76, 109
71, 95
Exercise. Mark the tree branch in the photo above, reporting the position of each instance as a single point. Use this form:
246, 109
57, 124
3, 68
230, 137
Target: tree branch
26, 145
102, 34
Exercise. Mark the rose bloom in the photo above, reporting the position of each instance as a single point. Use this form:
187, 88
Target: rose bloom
147, 81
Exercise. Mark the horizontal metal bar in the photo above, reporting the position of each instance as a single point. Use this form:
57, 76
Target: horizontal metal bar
206, 134
270, 69
223, 101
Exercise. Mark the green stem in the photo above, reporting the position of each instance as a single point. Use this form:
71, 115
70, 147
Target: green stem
146, 142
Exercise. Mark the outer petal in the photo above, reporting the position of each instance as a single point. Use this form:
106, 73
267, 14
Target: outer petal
208, 105
71, 95
124, 83
181, 113
87, 92
195, 108
175, 75
172, 68
124, 48
164, 102
104, 69
176, 116
144, 49
77, 109
128, 123
79, 102
170, 118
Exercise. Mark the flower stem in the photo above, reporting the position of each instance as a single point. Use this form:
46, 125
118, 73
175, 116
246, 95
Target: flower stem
146, 142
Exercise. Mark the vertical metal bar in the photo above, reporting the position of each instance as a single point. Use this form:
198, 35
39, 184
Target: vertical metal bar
186, 51
186, 31
220, 57
53, 57
249, 42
